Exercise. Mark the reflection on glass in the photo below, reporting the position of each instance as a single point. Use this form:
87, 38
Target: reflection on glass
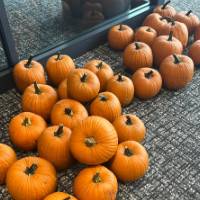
3, 60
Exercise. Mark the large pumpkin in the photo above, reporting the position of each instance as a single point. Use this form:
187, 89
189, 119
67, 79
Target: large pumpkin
62, 90
194, 52
58, 68
177, 71
83, 85
26, 72
60, 196
68, 112
94, 141
31, 178
103, 71
106, 105
25, 129
95, 183
197, 33
39, 99
7, 158
131, 161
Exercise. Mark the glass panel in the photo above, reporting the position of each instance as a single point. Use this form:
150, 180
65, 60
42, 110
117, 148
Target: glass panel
3, 60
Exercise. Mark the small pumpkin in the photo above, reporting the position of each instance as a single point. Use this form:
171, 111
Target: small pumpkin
164, 46
194, 52
147, 83
94, 141
145, 34
58, 68
39, 99
25, 129
137, 55
197, 33
62, 90
103, 71
28, 71
60, 196
106, 105
31, 178
176, 71
68, 112
53, 145
122, 87
83, 85
99, 182
189, 19
120, 36
129, 127
131, 161
7, 158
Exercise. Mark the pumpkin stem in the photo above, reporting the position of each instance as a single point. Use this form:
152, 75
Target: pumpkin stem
149, 74
170, 36
96, 178
128, 152
37, 89
121, 27
120, 78
59, 132
68, 111
188, 13
100, 65
68, 198
176, 59
137, 45
26, 122
165, 4
28, 64
128, 121
167, 18
31, 170
103, 98
148, 29
90, 142
84, 78
58, 56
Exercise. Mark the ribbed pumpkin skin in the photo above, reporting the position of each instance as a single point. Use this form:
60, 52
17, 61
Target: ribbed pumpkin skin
39, 103
122, 87
62, 90
165, 10
197, 33
105, 189
120, 36
25, 129
103, 71
106, 105
94, 141
22, 186
130, 167
194, 52
60, 196
58, 68
7, 158
68, 112
129, 127
176, 76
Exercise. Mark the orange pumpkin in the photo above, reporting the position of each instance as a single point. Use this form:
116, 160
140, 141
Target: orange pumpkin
58, 68
7, 158
95, 183
60, 196
164, 46
31, 178
62, 90
94, 141
83, 85
137, 55
106, 105
194, 52
120, 36
68, 112
122, 87
129, 127
28, 71
131, 161
39, 99
197, 33
177, 71
25, 129
147, 83
145, 34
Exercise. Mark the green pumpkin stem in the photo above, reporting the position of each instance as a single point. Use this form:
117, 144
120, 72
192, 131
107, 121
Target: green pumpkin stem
59, 132
58, 56
31, 170
128, 152
148, 29
68, 111
37, 89
90, 142
28, 64
188, 13
165, 4
96, 178
84, 78
103, 98
121, 27
26, 122
137, 45
149, 74
176, 59
128, 120
170, 36
120, 78
100, 65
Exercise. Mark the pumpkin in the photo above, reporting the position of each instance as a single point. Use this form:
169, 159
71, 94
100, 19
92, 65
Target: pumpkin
39, 99
176, 71
122, 87
145, 34
164, 46
60, 196
25, 129
83, 85
120, 36
165, 10
31, 178
62, 90
106, 105
58, 68
28, 71
194, 52
7, 158
103, 71
197, 33
147, 83
97, 183
68, 112
131, 161
137, 55
189, 19
53, 145
129, 127
94, 141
